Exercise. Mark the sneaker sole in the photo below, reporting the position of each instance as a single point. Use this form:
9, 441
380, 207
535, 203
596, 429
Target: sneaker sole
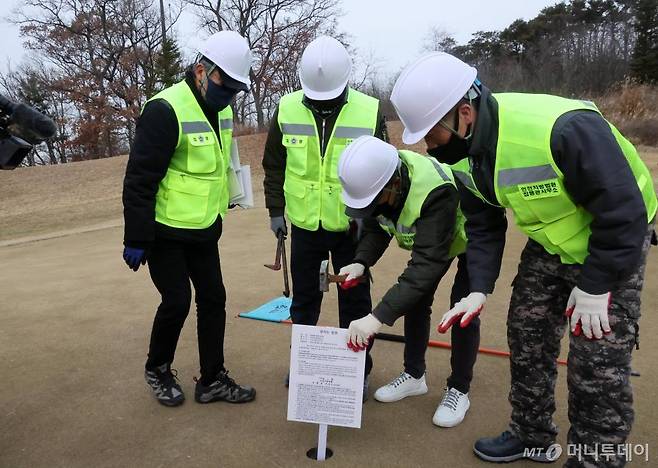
452, 424
512, 458
170, 404
422, 391
236, 402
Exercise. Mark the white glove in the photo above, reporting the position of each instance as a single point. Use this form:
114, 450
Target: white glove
353, 271
588, 313
360, 331
468, 308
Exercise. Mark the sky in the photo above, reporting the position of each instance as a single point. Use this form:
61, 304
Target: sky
392, 31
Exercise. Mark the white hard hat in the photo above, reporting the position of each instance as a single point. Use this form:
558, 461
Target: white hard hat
426, 91
325, 69
364, 169
230, 52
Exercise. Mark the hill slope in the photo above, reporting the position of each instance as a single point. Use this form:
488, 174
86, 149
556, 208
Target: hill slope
36, 201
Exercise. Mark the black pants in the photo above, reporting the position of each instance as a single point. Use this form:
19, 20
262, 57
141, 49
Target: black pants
308, 250
465, 341
172, 265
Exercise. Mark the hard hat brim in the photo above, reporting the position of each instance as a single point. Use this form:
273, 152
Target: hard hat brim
411, 138
323, 95
365, 212
230, 82
241, 83
358, 203
359, 213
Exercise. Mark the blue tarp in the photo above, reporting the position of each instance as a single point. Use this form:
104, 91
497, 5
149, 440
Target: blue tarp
277, 310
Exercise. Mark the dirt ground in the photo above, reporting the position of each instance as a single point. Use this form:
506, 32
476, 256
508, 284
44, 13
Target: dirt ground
75, 325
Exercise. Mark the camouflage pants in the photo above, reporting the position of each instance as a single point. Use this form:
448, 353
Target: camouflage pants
600, 393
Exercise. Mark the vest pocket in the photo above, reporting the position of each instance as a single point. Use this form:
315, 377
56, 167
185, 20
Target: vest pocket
296, 159
333, 209
552, 209
187, 199
201, 157
296, 204
335, 157
571, 235
523, 215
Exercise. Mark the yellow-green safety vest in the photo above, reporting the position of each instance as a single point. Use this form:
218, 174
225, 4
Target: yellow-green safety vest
426, 174
527, 180
194, 190
312, 189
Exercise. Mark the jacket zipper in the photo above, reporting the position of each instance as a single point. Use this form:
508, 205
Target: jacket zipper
322, 148
474, 166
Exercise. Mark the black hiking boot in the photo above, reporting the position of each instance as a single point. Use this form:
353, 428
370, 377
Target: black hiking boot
508, 448
163, 383
223, 388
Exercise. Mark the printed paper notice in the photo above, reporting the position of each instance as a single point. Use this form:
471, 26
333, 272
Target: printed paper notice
326, 378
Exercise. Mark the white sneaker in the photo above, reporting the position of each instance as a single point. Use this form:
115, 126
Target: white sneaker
401, 387
452, 409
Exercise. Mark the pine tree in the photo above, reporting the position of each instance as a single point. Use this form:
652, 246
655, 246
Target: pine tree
645, 55
169, 68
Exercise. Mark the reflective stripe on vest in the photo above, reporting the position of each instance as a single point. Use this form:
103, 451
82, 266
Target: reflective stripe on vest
351, 132
312, 189
527, 180
464, 178
298, 129
425, 174
525, 175
195, 127
194, 190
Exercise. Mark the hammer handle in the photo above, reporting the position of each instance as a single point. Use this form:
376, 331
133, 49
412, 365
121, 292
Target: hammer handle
336, 278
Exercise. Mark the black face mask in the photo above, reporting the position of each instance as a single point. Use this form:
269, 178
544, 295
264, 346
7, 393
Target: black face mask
325, 109
218, 97
452, 152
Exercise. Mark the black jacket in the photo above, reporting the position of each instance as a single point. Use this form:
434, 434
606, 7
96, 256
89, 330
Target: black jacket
597, 177
156, 137
274, 157
429, 255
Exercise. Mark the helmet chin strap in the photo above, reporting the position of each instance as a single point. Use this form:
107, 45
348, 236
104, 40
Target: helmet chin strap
206, 74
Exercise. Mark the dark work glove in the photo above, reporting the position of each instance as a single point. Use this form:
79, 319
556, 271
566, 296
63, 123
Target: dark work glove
278, 223
134, 257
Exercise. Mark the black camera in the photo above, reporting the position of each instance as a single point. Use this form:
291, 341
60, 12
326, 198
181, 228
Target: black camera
21, 127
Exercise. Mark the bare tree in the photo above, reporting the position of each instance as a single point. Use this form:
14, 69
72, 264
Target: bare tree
438, 39
101, 54
277, 32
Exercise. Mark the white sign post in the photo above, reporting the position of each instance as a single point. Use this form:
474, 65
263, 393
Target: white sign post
326, 381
